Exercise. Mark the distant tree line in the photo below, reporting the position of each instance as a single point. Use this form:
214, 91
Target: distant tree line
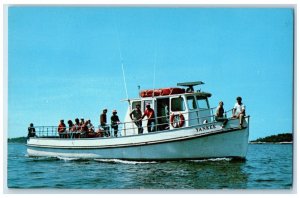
284, 137
17, 140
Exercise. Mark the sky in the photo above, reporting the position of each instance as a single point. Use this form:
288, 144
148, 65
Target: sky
66, 62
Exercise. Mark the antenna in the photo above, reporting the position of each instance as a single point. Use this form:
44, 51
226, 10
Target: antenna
154, 69
121, 57
122, 64
125, 85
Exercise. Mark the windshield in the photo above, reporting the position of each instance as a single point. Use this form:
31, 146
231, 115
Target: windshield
202, 102
191, 102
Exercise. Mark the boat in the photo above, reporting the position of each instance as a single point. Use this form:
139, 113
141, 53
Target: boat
187, 131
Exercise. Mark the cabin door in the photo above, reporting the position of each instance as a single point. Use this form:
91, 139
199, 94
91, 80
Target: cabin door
163, 113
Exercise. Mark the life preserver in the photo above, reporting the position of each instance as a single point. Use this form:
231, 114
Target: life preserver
177, 120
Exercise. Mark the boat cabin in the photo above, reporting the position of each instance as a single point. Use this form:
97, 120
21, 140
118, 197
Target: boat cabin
174, 108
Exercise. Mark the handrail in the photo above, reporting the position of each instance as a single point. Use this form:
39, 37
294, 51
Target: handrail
53, 130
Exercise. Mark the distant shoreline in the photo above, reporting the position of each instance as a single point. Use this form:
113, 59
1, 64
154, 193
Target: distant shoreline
22, 140
270, 142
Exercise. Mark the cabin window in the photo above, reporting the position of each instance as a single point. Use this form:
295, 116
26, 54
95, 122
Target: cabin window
191, 102
133, 106
202, 103
150, 102
177, 104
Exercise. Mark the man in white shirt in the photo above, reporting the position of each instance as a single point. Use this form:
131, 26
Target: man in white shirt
239, 111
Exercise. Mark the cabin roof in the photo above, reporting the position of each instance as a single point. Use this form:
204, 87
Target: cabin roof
201, 94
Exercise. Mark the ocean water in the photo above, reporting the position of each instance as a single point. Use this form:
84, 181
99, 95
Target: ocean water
268, 166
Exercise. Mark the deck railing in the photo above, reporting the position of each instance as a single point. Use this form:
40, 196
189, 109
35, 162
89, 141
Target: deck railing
100, 131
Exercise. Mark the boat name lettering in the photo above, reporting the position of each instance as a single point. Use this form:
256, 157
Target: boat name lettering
207, 127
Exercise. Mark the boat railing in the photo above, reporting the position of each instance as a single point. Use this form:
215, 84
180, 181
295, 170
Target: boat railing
157, 126
108, 130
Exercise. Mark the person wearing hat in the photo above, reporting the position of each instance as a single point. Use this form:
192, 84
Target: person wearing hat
239, 111
115, 122
61, 128
103, 122
136, 115
149, 112
220, 114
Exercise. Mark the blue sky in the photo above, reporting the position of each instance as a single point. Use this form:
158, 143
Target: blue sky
64, 62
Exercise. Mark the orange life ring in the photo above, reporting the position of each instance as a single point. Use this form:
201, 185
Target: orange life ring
177, 120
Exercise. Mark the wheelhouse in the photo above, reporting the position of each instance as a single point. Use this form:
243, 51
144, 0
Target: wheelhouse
174, 108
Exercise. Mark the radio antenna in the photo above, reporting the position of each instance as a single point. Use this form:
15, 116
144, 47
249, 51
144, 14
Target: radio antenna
154, 69
121, 57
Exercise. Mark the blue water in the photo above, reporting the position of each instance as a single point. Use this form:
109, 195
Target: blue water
268, 166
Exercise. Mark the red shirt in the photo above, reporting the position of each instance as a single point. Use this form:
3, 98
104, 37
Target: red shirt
61, 128
149, 113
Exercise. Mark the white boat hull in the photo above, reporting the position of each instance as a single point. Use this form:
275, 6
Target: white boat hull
207, 141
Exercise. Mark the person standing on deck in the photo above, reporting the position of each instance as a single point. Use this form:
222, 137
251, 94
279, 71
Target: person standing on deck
137, 115
103, 122
239, 111
115, 122
149, 112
